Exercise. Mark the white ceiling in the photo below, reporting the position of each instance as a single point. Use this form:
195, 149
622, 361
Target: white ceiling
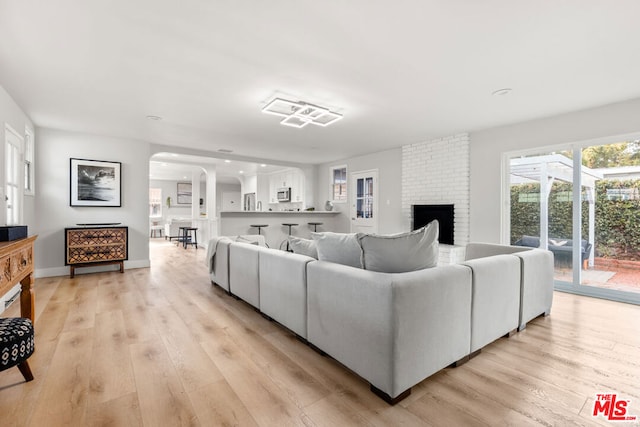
180, 167
399, 71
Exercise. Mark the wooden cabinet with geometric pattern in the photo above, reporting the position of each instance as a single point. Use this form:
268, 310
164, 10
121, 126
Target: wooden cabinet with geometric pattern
16, 266
89, 246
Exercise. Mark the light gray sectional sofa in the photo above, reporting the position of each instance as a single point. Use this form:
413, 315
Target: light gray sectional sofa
392, 329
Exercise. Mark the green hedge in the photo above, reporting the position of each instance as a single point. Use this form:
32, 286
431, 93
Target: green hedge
617, 222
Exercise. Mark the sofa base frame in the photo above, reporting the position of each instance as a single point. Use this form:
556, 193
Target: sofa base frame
524, 325
390, 400
511, 333
465, 359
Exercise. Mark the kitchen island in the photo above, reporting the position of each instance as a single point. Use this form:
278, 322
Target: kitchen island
234, 223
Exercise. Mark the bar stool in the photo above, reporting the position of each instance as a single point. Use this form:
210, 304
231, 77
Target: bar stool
259, 226
182, 235
188, 236
315, 225
287, 224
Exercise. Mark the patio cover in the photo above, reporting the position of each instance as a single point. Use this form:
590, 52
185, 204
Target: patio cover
547, 169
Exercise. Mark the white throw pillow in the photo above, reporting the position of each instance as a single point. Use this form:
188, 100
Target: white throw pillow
340, 248
403, 252
303, 246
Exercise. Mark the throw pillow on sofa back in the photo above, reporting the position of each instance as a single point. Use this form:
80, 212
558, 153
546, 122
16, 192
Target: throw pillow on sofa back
399, 253
303, 246
341, 248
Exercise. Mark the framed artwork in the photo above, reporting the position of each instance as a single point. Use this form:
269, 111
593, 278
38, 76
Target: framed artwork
95, 183
184, 193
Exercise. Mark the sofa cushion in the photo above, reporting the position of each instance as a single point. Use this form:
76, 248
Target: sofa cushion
341, 248
399, 253
303, 246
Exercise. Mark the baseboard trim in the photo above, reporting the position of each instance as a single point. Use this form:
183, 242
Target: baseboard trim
64, 271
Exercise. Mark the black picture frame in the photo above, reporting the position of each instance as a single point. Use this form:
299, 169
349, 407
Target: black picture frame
96, 183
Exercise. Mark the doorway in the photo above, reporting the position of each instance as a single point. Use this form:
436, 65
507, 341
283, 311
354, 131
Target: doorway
583, 204
364, 203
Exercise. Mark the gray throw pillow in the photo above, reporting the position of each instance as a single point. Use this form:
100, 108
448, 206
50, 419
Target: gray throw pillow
340, 248
303, 246
403, 252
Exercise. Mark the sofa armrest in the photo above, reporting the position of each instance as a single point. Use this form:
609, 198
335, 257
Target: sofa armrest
482, 250
495, 307
283, 288
244, 271
392, 329
536, 286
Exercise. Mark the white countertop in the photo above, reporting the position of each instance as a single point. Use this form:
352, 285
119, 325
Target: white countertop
255, 213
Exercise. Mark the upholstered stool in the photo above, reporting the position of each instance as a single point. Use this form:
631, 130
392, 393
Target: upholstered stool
16, 344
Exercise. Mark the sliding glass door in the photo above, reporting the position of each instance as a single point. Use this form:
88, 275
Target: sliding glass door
582, 204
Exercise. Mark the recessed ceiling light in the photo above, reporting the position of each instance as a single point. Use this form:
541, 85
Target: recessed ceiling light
263, 165
241, 172
502, 92
227, 161
155, 118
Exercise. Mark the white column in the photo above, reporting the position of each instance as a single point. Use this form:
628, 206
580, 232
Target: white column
195, 195
212, 214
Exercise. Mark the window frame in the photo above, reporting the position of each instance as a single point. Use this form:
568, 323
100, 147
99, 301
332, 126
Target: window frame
332, 184
29, 162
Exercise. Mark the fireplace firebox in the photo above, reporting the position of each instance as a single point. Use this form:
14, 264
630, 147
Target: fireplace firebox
424, 214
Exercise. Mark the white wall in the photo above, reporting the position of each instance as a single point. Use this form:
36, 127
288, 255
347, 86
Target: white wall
488, 146
222, 188
12, 114
54, 148
170, 189
389, 165
437, 172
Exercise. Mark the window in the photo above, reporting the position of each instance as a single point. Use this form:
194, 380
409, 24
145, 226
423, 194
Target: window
13, 170
28, 162
155, 202
339, 183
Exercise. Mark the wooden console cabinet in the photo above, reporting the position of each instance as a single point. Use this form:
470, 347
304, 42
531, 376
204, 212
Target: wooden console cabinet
16, 265
90, 246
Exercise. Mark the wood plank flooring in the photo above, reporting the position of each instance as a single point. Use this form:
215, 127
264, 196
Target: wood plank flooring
163, 347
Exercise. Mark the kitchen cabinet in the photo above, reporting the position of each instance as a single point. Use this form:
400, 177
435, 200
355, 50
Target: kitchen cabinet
291, 178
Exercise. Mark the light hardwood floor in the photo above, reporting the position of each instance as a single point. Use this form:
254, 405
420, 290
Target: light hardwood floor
163, 347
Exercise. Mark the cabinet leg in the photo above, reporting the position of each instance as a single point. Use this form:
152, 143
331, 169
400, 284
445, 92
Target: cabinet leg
27, 298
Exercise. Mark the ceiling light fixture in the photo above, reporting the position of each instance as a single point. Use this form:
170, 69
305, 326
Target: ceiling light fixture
300, 114
227, 161
502, 92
